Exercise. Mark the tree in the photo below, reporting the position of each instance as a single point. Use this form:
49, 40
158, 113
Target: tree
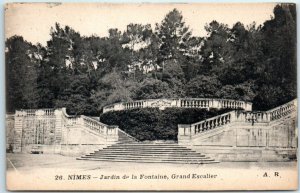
279, 66
21, 71
136, 37
174, 36
86, 73
153, 88
203, 86
280, 46
216, 50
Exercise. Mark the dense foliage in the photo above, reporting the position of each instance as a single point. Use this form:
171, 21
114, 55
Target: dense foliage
253, 63
153, 124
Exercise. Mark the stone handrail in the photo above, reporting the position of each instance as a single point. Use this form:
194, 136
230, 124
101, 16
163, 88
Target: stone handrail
282, 110
35, 112
267, 116
87, 122
180, 103
205, 125
237, 116
99, 127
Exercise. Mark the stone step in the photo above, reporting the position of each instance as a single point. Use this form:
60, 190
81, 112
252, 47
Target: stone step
150, 158
124, 146
146, 149
124, 141
145, 146
150, 161
141, 151
147, 154
153, 144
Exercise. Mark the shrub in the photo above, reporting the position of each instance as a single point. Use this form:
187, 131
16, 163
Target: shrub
153, 124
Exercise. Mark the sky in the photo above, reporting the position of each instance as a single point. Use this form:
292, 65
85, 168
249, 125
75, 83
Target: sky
33, 21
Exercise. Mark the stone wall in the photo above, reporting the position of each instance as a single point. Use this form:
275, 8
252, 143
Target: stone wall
9, 125
180, 103
54, 131
245, 136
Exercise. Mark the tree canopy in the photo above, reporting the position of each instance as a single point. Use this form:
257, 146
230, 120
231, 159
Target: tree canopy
252, 63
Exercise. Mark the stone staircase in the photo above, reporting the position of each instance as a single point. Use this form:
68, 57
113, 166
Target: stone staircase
129, 149
148, 153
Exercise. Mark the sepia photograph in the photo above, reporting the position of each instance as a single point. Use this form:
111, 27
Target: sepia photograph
151, 96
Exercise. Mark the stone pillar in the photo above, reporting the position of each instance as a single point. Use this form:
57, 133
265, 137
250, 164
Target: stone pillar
235, 136
214, 104
18, 129
178, 103
58, 125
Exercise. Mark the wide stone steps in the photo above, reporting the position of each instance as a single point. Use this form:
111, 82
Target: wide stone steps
148, 153
140, 152
170, 158
151, 161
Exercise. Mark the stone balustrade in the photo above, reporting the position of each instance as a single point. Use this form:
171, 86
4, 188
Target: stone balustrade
237, 116
180, 103
99, 127
267, 116
89, 123
252, 117
34, 112
282, 110
205, 125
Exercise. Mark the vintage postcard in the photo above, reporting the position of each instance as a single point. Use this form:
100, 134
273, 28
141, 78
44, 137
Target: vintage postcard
156, 97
